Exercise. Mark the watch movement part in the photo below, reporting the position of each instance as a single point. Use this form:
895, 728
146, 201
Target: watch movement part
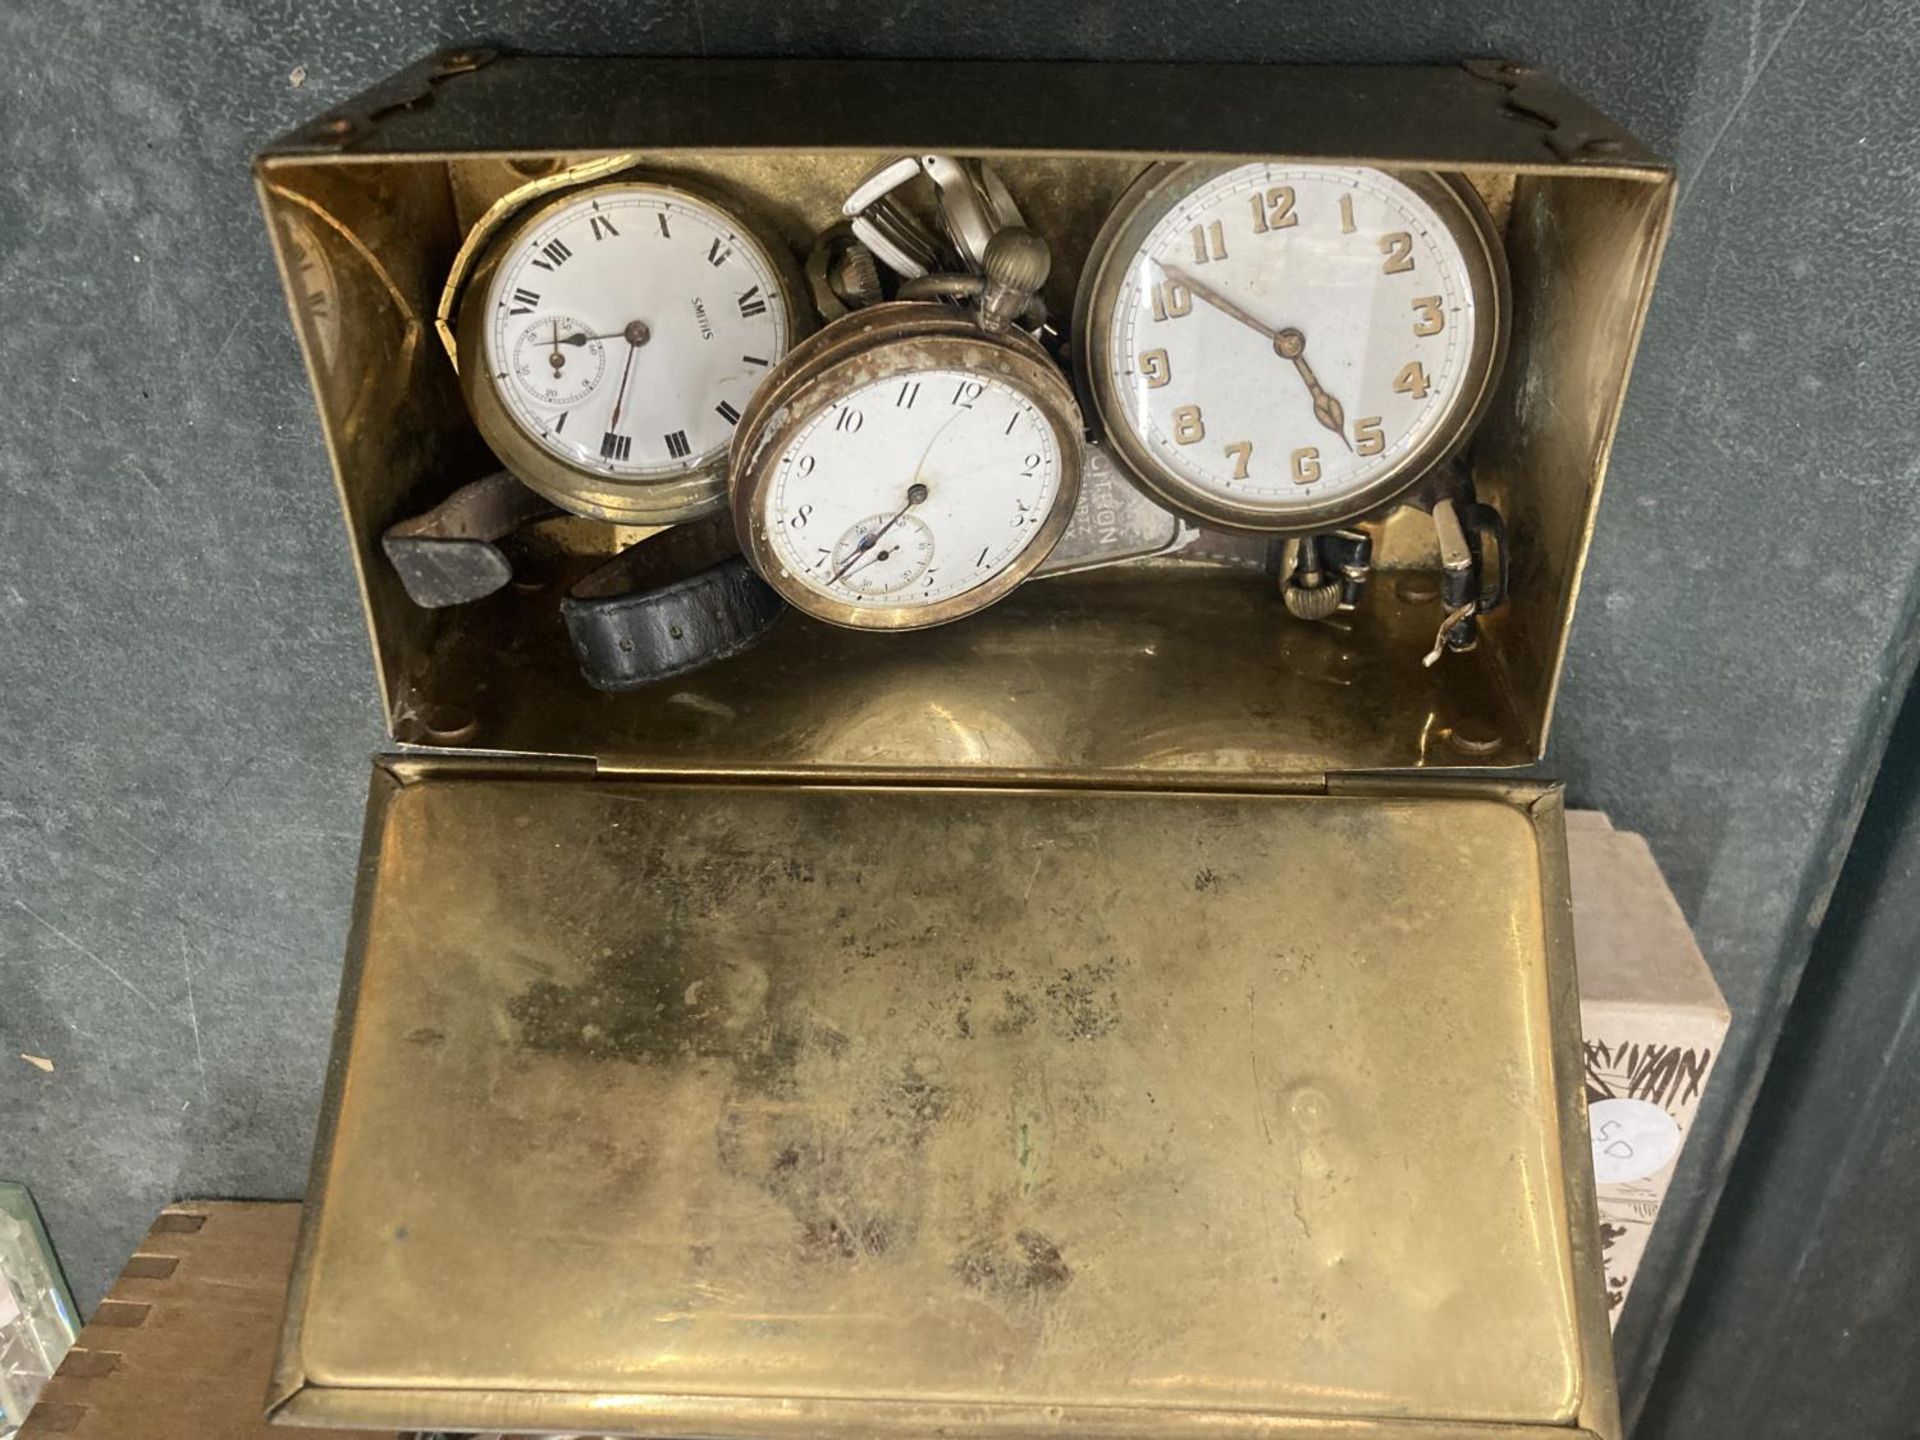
1309, 590
1473, 566
1016, 265
842, 274
1350, 554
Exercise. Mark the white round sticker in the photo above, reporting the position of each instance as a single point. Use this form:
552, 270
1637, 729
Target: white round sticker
1632, 1139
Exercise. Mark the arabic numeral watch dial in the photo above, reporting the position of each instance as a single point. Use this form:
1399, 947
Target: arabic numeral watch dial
906, 468
611, 339
1285, 347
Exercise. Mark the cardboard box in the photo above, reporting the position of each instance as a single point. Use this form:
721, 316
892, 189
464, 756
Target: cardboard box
1652, 1019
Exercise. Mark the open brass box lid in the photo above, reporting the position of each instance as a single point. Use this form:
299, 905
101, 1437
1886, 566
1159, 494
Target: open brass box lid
1034, 1025
743, 1110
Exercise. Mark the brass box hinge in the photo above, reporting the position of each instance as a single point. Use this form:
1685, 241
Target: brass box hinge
1194, 782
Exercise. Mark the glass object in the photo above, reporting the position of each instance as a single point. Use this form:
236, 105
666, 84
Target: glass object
37, 1319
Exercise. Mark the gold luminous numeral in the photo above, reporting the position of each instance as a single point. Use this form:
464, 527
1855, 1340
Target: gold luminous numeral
1187, 427
1171, 300
1306, 464
1398, 248
1209, 243
1157, 368
1347, 226
1432, 318
1411, 380
1273, 210
1241, 451
1368, 438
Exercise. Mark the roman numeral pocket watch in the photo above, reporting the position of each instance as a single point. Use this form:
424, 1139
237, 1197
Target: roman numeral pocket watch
611, 335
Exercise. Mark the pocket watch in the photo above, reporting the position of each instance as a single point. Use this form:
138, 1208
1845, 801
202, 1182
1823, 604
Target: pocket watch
906, 466
1284, 347
610, 339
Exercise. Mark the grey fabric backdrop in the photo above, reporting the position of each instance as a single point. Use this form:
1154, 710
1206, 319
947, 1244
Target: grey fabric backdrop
185, 692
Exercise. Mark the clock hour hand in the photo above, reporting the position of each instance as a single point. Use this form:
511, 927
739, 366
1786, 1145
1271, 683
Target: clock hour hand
634, 333
1290, 344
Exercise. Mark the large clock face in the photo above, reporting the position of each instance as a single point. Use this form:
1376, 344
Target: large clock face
627, 327
1283, 341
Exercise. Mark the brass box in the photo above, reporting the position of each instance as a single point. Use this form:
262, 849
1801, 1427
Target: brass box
1078, 1018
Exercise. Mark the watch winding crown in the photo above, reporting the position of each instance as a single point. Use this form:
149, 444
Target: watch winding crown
1017, 263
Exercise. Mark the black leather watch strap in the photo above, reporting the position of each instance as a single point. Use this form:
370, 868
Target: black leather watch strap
676, 601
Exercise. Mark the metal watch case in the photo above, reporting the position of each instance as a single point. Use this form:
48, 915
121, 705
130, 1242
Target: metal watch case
668, 501
854, 352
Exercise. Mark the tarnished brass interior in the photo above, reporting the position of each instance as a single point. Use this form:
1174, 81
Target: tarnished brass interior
1088, 675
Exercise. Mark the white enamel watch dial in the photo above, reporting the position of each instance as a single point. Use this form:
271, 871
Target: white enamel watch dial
916, 482
1283, 346
615, 341
917, 488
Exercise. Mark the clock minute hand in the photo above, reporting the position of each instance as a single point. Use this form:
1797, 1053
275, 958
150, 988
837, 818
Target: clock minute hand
1289, 344
636, 334
620, 395
1218, 301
